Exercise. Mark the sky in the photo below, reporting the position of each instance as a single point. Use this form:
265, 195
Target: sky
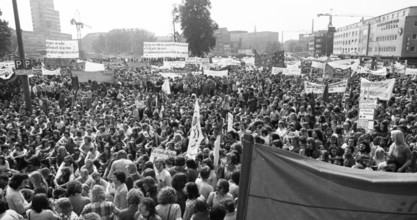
292, 17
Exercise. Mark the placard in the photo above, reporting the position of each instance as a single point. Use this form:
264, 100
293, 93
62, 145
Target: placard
310, 87
161, 154
62, 49
165, 49
367, 114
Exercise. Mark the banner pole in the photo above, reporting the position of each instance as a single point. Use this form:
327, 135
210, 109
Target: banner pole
245, 174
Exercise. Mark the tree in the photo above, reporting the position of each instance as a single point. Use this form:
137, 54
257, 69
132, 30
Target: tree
5, 37
198, 27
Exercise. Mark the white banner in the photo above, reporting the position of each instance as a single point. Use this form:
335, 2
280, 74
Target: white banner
216, 151
367, 114
310, 87
276, 70
379, 89
380, 72
317, 65
46, 72
62, 49
229, 122
166, 87
92, 67
367, 103
165, 49
221, 73
247, 52
409, 71
338, 87
292, 72
249, 61
196, 135
161, 154
174, 64
99, 76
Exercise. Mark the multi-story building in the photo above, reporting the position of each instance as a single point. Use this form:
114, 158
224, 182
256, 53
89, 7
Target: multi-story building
223, 47
260, 41
392, 34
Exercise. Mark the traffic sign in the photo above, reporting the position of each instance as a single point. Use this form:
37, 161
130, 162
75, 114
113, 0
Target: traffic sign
23, 64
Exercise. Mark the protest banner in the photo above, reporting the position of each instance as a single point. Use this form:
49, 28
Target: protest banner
92, 67
46, 72
221, 73
170, 75
367, 103
161, 154
196, 134
165, 49
380, 72
338, 87
62, 49
292, 72
378, 89
99, 76
229, 122
317, 65
247, 52
367, 114
410, 71
166, 87
174, 64
310, 87
277, 70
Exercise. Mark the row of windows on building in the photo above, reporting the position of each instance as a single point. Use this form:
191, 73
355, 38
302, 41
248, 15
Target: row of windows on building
385, 49
412, 49
385, 38
347, 42
389, 27
392, 16
347, 34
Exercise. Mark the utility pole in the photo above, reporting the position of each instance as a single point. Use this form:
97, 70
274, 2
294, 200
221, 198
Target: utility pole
23, 78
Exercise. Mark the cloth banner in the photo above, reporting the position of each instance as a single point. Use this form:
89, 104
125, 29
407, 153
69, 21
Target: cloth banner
99, 76
166, 87
221, 73
229, 122
170, 75
310, 87
93, 67
46, 72
292, 72
174, 64
249, 61
196, 135
216, 151
161, 154
165, 49
338, 87
378, 89
285, 185
409, 71
380, 72
277, 70
317, 65
62, 49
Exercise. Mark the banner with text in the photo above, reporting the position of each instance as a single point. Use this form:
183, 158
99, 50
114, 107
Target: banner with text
161, 154
338, 87
221, 73
62, 49
165, 49
378, 89
310, 87
46, 72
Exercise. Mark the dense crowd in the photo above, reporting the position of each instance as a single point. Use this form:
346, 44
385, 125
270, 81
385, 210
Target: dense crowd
85, 151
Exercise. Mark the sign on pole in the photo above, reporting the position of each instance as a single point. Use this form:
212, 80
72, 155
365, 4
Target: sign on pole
23, 67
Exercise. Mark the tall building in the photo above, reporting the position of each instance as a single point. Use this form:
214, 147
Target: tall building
393, 34
45, 19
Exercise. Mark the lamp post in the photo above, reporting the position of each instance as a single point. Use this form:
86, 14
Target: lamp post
23, 78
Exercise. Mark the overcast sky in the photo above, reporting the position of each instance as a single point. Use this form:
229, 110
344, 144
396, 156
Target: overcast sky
291, 16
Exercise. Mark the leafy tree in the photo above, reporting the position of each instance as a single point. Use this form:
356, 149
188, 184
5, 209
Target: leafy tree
123, 41
198, 27
5, 37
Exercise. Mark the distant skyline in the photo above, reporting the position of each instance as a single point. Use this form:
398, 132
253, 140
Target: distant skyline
293, 17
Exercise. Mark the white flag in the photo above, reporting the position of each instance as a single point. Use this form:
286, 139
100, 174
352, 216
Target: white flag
229, 122
166, 87
196, 135
216, 151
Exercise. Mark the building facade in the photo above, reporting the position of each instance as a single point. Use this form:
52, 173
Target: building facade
392, 34
223, 47
259, 41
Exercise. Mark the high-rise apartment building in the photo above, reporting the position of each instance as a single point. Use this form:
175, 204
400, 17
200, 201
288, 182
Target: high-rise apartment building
45, 20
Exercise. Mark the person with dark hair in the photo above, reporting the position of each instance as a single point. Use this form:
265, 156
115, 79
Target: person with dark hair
162, 175
179, 166
178, 183
191, 191
234, 184
65, 210
14, 196
134, 196
221, 193
201, 211
147, 210
6, 213
212, 179
218, 212
120, 197
191, 167
40, 209
132, 177
120, 164
229, 205
74, 190
168, 207
204, 188
150, 187
99, 204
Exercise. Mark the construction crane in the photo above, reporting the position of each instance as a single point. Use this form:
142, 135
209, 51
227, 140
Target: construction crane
330, 15
79, 25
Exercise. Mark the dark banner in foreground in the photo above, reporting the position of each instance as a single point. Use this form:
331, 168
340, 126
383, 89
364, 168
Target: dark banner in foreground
284, 185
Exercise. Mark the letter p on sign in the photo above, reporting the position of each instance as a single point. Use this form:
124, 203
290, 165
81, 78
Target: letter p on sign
25, 64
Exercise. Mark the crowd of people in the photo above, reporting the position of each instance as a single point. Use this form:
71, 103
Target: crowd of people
84, 152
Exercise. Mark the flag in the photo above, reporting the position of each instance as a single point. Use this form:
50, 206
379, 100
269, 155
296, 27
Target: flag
278, 59
229, 122
166, 87
216, 151
196, 135
328, 71
258, 61
326, 93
